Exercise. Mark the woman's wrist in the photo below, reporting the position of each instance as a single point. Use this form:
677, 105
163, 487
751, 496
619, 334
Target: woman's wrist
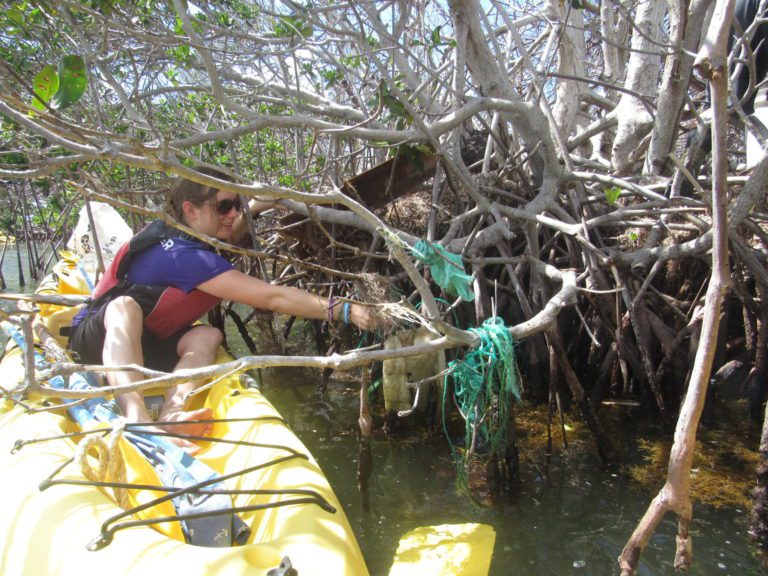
338, 311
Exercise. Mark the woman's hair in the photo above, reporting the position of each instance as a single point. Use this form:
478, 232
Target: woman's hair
186, 190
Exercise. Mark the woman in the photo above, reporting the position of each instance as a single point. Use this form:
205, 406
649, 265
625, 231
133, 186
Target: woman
161, 282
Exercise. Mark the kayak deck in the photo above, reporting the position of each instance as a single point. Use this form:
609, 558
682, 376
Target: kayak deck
286, 498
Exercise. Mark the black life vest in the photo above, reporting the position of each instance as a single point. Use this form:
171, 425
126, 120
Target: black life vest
166, 309
114, 281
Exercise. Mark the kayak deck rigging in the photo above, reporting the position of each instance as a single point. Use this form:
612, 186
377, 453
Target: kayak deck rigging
113, 524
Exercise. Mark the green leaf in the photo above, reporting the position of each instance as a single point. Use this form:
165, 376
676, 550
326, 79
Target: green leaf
15, 158
395, 107
16, 16
106, 7
224, 19
45, 84
73, 79
287, 180
612, 194
331, 77
288, 26
351, 61
309, 69
436, 35
576, 5
182, 54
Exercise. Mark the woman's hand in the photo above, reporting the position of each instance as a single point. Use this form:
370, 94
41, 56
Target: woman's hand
361, 316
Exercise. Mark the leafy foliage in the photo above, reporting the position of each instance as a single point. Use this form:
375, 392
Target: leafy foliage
612, 195
415, 154
289, 26
46, 84
60, 88
73, 79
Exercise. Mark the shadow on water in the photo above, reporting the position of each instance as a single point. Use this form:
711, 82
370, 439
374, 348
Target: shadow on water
568, 517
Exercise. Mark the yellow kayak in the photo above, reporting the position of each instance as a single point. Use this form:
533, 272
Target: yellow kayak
52, 513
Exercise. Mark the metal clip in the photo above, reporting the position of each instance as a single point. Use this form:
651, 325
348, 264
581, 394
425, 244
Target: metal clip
285, 569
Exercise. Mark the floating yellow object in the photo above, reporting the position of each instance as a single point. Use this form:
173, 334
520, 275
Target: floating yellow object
447, 550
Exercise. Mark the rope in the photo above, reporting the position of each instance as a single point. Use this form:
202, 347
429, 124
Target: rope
447, 269
110, 463
484, 383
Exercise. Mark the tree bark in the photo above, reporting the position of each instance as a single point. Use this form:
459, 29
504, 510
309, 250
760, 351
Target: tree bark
635, 120
571, 57
685, 30
675, 495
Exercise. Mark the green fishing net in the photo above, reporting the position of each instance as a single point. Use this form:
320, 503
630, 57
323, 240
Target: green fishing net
447, 269
484, 383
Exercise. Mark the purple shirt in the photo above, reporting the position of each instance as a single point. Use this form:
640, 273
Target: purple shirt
163, 280
176, 262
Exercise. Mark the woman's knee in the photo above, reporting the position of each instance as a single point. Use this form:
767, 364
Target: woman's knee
201, 337
123, 312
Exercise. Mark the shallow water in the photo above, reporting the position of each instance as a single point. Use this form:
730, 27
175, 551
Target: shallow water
569, 516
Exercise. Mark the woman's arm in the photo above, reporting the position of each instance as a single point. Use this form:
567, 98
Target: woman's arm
239, 287
256, 206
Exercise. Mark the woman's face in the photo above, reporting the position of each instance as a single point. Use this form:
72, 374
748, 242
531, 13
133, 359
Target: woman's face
216, 216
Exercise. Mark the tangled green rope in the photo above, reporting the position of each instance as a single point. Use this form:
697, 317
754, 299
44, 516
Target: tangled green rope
484, 383
447, 269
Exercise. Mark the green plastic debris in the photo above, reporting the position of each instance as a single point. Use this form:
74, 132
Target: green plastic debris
485, 382
447, 269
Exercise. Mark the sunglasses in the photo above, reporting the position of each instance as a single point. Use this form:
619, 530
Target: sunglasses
224, 207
